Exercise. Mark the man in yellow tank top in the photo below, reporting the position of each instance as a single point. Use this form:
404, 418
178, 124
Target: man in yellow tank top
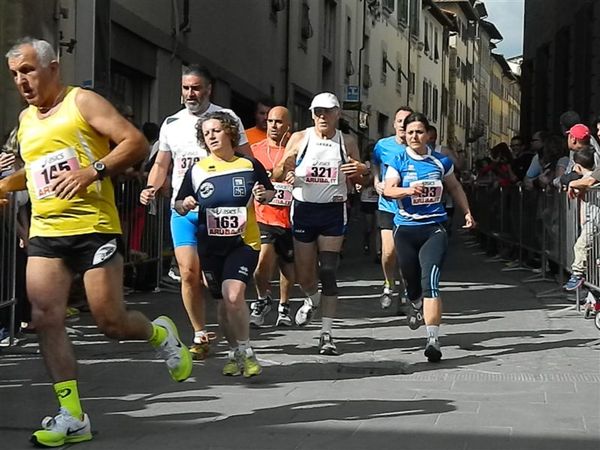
64, 136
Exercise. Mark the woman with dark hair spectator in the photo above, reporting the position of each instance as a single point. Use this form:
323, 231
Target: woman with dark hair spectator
483, 175
501, 165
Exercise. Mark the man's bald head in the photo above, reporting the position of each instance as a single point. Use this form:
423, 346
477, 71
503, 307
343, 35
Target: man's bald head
278, 125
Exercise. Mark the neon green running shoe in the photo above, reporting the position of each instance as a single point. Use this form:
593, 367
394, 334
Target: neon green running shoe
72, 313
176, 355
62, 429
251, 365
233, 367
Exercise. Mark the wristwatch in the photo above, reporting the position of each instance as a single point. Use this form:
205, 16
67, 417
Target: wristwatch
100, 169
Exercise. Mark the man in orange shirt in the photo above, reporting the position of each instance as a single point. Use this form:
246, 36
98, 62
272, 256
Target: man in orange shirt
259, 131
275, 227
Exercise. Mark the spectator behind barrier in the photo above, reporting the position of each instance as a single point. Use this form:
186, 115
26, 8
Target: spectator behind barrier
578, 138
589, 216
483, 175
595, 131
567, 120
551, 163
582, 159
523, 154
9, 162
500, 166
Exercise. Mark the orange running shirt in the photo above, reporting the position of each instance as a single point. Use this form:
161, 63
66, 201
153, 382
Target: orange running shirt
255, 135
277, 212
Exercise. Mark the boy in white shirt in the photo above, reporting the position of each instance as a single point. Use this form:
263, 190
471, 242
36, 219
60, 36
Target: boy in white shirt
584, 166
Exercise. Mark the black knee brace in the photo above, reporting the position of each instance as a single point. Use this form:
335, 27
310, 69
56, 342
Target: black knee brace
328, 264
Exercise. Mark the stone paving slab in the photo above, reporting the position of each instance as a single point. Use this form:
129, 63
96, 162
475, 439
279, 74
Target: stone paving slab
518, 373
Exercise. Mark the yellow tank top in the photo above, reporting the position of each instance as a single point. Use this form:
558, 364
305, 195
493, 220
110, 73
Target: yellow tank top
65, 141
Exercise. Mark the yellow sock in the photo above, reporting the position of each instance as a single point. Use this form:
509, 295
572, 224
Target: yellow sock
159, 334
68, 397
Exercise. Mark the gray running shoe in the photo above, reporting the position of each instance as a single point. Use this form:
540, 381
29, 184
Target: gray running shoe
326, 345
386, 298
432, 350
260, 309
414, 315
402, 304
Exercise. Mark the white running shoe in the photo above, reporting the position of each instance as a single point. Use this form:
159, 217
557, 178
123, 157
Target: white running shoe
62, 429
283, 318
174, 274
305, 313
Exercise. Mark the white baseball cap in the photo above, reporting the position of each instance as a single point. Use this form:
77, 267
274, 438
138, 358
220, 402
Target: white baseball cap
324, 100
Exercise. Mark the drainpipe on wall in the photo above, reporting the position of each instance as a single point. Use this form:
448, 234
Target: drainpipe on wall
360, 66
409, 48
185, 25
286, 70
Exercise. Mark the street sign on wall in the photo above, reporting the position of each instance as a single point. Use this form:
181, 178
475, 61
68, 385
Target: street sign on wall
351, 94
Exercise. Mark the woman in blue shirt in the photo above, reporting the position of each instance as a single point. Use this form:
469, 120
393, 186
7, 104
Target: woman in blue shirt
416, 178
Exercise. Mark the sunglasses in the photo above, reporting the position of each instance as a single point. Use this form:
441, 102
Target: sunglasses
322, 111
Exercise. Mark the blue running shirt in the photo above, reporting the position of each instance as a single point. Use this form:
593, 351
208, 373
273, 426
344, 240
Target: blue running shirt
431, 168
383, 154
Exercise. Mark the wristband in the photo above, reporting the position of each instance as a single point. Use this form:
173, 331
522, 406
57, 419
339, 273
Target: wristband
149, 187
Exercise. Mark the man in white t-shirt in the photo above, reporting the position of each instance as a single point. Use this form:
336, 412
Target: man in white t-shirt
178, 144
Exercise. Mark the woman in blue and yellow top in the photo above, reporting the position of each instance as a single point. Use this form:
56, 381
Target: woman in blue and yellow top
222, 186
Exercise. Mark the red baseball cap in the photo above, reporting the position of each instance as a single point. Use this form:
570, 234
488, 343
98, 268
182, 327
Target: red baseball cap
580, 132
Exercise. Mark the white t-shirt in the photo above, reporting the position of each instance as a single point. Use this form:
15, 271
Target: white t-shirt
178, 136
369, 194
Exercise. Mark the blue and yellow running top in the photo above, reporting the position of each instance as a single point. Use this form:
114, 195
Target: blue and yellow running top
430, 169
223, 190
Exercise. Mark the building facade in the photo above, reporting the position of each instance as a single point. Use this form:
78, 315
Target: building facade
376, 55
461, 99
561, 62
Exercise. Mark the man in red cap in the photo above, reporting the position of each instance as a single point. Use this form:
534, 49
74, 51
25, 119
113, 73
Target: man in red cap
578, 137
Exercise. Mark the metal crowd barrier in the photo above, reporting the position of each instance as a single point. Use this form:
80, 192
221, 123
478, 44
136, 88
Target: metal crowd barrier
545, 223
143, 239
8, 248
143, 233
592, 214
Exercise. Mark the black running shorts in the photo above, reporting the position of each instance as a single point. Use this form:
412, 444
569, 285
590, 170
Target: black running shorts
368, 207
80, 253
385, 220
237, 264
281, 238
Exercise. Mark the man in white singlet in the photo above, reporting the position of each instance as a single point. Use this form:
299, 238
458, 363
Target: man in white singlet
320, 162
179, 146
